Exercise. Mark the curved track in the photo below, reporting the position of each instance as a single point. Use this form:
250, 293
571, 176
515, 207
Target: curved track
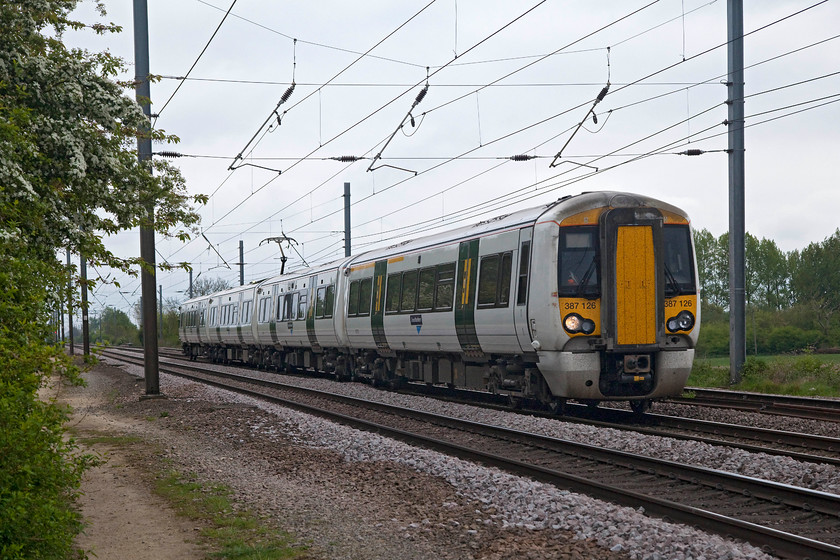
788, 521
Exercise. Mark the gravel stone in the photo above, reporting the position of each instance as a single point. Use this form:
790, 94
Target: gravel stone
433, 505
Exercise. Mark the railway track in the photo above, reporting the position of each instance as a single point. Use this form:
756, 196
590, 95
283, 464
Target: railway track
800, 407
796, 445
785, 520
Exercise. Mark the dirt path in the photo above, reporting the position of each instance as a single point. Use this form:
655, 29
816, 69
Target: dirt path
126, 520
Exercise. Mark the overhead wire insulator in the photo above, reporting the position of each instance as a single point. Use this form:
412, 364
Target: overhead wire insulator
692, 152
346, 159
168, 154
421, 95
522, 157
287, 94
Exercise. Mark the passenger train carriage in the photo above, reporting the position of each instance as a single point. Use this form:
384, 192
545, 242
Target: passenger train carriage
593, 297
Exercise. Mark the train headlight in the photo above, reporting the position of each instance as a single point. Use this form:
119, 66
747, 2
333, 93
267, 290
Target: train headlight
573, 322
682, 322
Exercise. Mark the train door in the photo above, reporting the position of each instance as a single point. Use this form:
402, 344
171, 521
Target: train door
465, 296
377, 314
635, 314
523, 273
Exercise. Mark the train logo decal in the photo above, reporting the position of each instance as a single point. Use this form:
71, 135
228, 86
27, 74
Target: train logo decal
417, 321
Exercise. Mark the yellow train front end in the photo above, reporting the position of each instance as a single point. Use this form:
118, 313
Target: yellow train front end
624, 318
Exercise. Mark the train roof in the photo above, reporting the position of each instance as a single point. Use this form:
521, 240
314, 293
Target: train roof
571, 204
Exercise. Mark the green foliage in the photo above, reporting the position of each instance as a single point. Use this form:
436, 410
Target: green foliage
714, 340
40, 471
809, 375
238, 534
68, 175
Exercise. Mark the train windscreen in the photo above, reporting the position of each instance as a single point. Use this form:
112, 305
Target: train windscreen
579, 262
679, 265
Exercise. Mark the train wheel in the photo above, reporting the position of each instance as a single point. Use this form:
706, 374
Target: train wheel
558, 407
591, 404
640, 407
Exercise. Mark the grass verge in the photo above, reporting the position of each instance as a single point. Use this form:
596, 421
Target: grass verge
238, 534
806, 375
231, 533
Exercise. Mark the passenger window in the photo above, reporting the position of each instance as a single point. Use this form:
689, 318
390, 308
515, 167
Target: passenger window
522, 283
426, 290
301, 307
488, 278
320, 302
353, 299
392, 295
494, 280
445, 287
246, 312
409, 291
329, 301
365, 292
504, 280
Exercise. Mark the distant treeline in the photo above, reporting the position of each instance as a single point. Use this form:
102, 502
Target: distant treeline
793, 298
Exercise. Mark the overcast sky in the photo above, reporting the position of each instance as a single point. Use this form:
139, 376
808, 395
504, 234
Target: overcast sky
504, 79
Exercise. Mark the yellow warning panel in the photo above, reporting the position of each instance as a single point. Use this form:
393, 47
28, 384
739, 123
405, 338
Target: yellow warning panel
635, 286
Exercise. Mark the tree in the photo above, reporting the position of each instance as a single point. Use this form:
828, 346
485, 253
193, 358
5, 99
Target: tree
68, 176
816, 279
713, 267
207, 285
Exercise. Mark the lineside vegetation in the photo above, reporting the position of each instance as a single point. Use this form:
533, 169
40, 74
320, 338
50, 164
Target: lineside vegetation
68, 176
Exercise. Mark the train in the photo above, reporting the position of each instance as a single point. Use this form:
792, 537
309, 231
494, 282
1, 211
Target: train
591, 298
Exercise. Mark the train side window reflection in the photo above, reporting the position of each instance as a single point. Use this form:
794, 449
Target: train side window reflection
445, 288
365, 293
494, 280
392, 293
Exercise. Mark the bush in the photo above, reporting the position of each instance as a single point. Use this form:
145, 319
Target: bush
714, 340
40, 470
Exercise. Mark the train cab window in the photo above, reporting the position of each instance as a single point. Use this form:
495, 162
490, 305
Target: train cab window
426, 290
365, 293
408, 297
579, 262
329, 301
494, 280
301, 306
445, 286
392, 293
320, 302
678, 262
522, 282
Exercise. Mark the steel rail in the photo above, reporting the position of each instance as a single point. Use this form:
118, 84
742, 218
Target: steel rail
761, 440
801, 407
773, 540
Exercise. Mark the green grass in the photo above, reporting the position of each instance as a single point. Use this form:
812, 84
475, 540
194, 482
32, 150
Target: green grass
232, 533
806, 375
237, 534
